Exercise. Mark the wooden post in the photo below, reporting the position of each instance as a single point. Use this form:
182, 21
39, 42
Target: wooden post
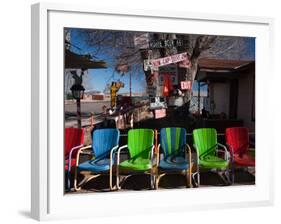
78, 113
131, 84
156, 141
92, 120
198, 91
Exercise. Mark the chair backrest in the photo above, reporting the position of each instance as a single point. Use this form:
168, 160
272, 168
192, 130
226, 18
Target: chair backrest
205, 140
172, 140
237, 138
140, 142
104, 140
72, 137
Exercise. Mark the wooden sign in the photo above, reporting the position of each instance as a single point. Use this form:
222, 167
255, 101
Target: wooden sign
156, 63
169, 60
160, 113
165, 43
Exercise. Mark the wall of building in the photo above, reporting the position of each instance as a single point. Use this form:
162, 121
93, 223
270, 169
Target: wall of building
245, 99
219, 93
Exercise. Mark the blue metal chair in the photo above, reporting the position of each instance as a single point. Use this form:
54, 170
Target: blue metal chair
176, 154
104, 144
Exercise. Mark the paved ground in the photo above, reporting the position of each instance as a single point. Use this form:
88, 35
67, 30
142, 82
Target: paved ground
172, 181
86, 109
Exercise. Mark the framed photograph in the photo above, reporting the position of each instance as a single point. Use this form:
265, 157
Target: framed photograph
144, 108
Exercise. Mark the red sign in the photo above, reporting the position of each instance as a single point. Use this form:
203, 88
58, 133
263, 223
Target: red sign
184, 64
186, 85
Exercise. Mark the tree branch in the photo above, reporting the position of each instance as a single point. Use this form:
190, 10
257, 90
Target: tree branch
202, 43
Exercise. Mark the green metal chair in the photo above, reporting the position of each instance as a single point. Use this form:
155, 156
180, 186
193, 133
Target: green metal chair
208, 154
140, 147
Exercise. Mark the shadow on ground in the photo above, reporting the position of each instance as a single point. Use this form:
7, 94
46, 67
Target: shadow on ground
169, 181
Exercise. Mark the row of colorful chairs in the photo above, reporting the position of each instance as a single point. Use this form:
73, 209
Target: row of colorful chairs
171, 155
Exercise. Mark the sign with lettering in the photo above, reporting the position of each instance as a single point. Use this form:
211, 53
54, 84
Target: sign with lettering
186, 85
165, 43
154, 64
160, 113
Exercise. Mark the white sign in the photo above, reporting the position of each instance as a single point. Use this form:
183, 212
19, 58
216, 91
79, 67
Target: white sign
169, 60
160, 113
186, 85
156, 63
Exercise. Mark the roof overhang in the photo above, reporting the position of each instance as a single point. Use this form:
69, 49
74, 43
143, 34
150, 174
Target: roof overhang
76, 61
218, 70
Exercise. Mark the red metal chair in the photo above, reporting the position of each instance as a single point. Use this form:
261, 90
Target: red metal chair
237, 139
73, 140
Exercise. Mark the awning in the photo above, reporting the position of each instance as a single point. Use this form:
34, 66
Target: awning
225, 65
76, 61
221, 70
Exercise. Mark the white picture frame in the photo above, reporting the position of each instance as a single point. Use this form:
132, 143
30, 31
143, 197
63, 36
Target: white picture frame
48, 200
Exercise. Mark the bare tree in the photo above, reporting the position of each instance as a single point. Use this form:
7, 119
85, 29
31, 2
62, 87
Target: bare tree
118, 48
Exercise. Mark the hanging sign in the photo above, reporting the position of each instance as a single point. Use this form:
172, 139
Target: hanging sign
160, 113
165, 43
186, 85
169, 60
156, 63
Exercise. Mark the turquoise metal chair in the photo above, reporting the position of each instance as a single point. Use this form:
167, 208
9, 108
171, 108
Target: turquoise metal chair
104, 144
176, 154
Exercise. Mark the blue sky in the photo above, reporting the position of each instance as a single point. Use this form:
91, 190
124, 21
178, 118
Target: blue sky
101, 77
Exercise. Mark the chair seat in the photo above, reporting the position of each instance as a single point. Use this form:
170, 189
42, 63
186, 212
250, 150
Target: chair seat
211, 162
138, 164
95, 166
174, 163
244, 160
72, 163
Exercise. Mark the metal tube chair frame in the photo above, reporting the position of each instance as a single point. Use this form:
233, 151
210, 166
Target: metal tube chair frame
233, 165
74, 140
118, 183
87, 178
231, 149
187, 173
69, 164
232, 162
225, 172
